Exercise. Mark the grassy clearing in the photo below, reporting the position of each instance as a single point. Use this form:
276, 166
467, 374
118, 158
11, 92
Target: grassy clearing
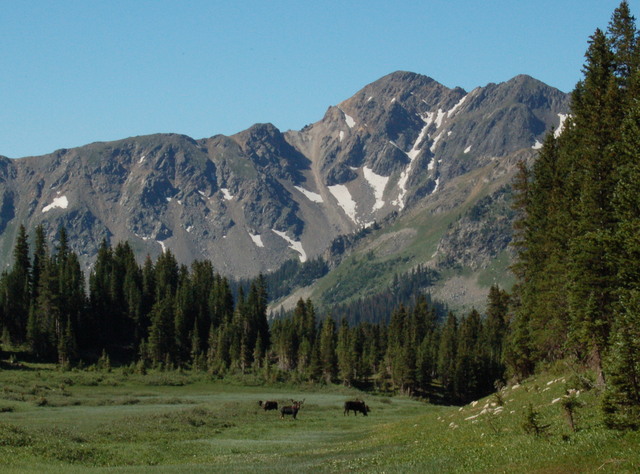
73, 421
85, 421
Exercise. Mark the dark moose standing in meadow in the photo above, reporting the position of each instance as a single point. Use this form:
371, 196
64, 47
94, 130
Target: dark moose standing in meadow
268, 405
291, 409
356, 406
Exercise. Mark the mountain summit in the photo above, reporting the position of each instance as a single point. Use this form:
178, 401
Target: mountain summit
250, 201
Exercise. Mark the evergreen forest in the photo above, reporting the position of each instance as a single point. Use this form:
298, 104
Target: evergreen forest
166, 315
578, 231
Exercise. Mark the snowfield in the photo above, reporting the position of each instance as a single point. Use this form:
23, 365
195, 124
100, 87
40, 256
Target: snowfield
345, 201
61, 202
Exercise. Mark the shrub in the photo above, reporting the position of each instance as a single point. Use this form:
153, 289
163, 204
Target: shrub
532, 424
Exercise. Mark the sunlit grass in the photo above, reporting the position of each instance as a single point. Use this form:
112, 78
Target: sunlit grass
93, 421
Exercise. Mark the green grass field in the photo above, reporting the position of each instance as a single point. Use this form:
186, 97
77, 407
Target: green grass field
53, 421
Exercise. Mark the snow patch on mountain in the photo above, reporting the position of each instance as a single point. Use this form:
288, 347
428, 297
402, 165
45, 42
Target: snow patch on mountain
537, 145
349, 119
435, 142
61, 202
467, 150
429, 117
457, 106
293, 244
440, 117
378, 183
437, 184
413, 153
227, 195
257, 239
311, 196
345, 201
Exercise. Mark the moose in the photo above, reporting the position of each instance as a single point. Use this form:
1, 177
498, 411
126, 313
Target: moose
356, 406
268, 405
291, 409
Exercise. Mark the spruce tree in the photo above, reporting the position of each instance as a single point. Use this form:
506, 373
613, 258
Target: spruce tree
345, 354
101, 324
45, 319
203, 279
16, 299
621, 404
40, 256
623, 36
185, 317
447, 354
161, 344
494, 332
328, 362
468, 375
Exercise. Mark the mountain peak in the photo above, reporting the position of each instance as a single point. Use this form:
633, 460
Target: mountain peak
401, 80
254, 199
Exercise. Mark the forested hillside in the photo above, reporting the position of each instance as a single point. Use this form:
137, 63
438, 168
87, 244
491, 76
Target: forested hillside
166, 315
578, 230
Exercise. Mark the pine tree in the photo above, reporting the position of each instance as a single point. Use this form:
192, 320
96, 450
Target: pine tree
624, 44
40, 256
423, 326
166, 274
185, 317
258, 326
161, 343
345, 354
328, 362
426, 361
622, 399
494, 332
303, 334
521, 228
148, 287
545, 296
45, 319
300, 342
447, 354
102, 325
16, 299
67, 347
221, 302
597, 116
203, 280
468, 374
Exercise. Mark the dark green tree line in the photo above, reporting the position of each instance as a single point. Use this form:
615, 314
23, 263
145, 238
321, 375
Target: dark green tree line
163, 314
577, 226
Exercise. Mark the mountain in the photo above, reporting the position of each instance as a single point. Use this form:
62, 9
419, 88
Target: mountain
405, 152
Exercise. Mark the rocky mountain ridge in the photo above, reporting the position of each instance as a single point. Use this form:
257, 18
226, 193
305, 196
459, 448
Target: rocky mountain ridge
250, 201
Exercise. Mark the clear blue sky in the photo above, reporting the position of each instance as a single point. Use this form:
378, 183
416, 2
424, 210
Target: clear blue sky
75, 72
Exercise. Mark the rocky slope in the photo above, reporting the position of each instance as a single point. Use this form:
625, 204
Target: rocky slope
403, 145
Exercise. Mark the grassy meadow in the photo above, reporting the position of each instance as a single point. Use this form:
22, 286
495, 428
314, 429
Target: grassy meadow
83, 421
